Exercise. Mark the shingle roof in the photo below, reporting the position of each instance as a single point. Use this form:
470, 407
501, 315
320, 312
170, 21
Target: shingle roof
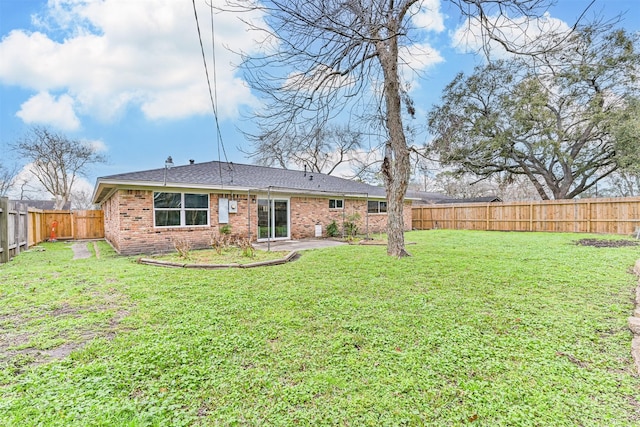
487, 199
221, 175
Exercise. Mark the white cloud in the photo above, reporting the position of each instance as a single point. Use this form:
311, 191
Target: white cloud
115, 54
97, 145
419, 57
468, 37
429, 17
26, 186
45, 109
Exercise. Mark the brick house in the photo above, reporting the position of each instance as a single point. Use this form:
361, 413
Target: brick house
146, 211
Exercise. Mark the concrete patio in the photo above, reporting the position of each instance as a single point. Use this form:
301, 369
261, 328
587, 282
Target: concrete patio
297, 245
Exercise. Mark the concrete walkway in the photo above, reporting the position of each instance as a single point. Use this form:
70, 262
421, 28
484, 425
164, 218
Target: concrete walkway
80, 250
297, 245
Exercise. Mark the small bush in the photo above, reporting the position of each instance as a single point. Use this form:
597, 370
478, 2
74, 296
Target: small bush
220, 241
351, 226
332, 229
246, 247
183, 247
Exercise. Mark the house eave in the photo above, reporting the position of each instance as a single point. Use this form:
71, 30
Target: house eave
105, 189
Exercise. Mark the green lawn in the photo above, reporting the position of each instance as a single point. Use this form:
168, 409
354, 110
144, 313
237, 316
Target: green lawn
477, 328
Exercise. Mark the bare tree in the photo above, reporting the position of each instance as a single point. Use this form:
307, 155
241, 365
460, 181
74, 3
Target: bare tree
56, 160
7, 177
322, 58
81, 199
320, 150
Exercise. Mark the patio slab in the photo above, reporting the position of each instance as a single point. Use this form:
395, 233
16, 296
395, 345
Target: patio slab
297, 245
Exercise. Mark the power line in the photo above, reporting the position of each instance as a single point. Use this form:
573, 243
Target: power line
214, 104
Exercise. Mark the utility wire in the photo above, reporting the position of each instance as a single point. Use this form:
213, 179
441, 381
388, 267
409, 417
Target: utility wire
211, 96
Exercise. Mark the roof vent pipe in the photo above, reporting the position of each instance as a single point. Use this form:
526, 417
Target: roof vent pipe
191, 161
305, 169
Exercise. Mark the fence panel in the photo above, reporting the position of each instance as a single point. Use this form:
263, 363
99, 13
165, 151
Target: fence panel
14, 229
59, 223
35, 221
606, 216
88, 224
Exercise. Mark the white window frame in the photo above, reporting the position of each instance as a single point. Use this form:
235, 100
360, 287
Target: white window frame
182, 209
335, 203
378, 211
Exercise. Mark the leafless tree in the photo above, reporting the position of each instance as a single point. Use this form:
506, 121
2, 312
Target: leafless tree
319, 150
322, 58
7, 177
81, 199
56, 160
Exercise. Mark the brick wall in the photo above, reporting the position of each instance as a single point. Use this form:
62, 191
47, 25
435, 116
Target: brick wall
112, 221
306, 212
129, 221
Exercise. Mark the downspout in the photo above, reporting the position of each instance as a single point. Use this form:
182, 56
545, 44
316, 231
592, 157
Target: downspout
268, 219
366, 226
344, 206
249, 215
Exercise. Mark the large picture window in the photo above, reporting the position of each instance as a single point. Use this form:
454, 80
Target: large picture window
180, 209
375, 206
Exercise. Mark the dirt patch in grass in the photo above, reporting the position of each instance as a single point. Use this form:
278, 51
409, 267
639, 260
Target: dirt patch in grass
603, 243
24, 344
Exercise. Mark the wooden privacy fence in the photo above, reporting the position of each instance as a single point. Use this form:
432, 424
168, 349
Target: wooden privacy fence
21, 227
13, 229
75, 225
607, 216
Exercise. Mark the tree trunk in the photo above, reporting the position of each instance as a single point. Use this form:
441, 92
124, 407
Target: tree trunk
396, 167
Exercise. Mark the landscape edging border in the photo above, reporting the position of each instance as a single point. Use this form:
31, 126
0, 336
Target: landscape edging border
634, 323
291, 256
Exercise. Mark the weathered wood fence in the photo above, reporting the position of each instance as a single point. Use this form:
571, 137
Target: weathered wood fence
13, 229
607, 216
76, 225
22, 227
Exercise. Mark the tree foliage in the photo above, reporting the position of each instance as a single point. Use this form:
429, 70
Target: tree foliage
56, 160
560, 119
324, 58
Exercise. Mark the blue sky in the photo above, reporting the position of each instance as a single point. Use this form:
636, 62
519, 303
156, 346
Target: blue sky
128, 74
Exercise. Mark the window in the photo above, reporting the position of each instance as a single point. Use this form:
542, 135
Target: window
336, 203
375, 206
180, 209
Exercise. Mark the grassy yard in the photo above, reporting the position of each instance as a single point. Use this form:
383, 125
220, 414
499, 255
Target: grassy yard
477, 328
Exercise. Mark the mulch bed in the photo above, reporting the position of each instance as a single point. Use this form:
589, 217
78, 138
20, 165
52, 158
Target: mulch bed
601, 243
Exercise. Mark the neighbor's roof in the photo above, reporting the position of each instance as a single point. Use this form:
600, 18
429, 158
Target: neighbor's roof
235, 177
426, 198
45, 205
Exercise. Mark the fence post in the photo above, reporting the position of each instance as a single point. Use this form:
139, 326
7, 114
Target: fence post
73, 224
4, 229
488, 216
530, 216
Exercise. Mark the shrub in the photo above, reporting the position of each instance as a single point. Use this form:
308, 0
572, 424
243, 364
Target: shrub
183, 247
246, 247
351, 226
332, 229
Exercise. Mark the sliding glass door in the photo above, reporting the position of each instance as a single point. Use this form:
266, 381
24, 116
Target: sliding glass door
273, 219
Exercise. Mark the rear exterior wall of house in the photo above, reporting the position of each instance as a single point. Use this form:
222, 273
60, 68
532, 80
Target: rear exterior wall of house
129, 220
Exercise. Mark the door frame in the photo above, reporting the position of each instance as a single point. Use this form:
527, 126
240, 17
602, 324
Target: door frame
271, 202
